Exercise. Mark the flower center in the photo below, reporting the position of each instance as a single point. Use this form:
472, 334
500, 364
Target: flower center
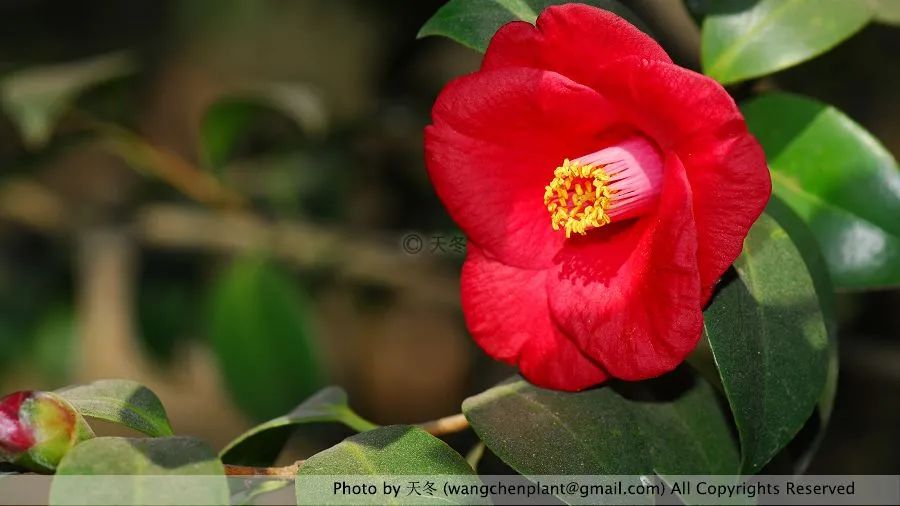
614, 184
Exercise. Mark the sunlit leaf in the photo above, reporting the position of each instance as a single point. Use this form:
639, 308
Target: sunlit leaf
839, 179
769, 339
742, 39
806, 244
121, 401
91, 473
397, 450
35, 98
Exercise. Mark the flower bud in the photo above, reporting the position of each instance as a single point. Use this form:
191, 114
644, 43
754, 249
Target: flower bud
37, 429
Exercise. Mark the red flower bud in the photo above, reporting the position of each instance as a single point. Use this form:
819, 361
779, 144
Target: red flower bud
37, 429
14, 437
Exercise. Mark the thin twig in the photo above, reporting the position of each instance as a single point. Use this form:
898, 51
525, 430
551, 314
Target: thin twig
357, 256
446, 425
140, 154
282, 472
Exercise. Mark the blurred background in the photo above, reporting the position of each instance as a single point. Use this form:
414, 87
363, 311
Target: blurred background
226, 200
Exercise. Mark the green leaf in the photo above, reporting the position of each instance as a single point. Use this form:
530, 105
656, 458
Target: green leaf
472, 23
121, 401
768, 336
259, 324
393, 450
398, 450
35, 98
806, 243
53, 346
231, 117
839, 179
742, 39
98, 461
261, 445
671, 425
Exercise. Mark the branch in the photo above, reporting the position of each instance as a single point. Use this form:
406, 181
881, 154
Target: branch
357, 256
447, 425
198, 184
287, 472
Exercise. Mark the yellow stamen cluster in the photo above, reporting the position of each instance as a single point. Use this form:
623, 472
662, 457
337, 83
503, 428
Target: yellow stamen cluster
578, 197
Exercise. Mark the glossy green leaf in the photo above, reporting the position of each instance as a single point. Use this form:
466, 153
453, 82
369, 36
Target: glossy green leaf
807, 245
259, 324
35, 98
121, 401
839, 179
261, 445
671, 425
769, 339
742, 39
472, 23
146, 461
397, 450
802, 237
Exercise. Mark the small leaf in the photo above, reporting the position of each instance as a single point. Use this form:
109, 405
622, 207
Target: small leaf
35, 98
260, 328
261, 445
121, 401
98, 462
472, 23
839, 179
742, 39
397, 450
671, 425
769, 339
233, 115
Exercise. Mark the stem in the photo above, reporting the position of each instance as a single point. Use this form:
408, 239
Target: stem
283, 472
196, 183
446, 425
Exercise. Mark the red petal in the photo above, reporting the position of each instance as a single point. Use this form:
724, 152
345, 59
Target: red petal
630, 297
15, 437
695, 117
507, 313
496, 138
574, 40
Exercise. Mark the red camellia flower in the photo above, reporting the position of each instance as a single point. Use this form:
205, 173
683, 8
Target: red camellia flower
603, 189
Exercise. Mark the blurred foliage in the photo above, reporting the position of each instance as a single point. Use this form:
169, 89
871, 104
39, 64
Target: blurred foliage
261, 329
